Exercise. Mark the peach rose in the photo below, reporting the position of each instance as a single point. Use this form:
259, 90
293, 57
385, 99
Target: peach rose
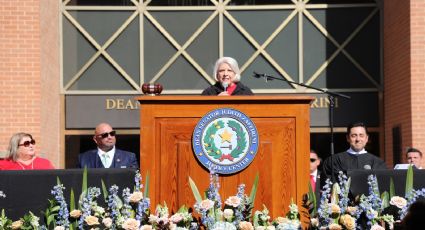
244, 225
351, 210
233, 201
335, 227
75, 213
400, 202
176, 218
335, 209
17, 224
135, 197
146, 227
377, 227
131, 224
91, 220
206, 204
348, 221
107, 222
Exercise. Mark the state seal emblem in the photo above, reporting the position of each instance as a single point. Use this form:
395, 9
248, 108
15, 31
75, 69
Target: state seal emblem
225, 140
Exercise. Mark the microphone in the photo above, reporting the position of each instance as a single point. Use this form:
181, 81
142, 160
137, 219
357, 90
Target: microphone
367, 167
265, 76
225, 85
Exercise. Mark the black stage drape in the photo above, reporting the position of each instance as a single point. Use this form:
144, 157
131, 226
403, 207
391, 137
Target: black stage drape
359, 183
29, 190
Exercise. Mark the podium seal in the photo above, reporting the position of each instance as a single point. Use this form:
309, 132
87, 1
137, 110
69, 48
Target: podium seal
225, 140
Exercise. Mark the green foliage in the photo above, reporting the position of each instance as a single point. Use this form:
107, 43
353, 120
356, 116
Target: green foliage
392, 188
195, 191
409, 181
5, 223
104, 191
254, 191
146, 192
73, 225
385, 198
311, 200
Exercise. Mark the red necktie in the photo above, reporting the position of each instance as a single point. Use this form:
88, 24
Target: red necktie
313, 183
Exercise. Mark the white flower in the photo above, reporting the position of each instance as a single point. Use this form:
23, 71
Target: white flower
376, 227
223, 226
398, 201
131, 224
107, 222
98, 210
228, 214
152, 218
59, 228
233, 201
176, 218
314, 222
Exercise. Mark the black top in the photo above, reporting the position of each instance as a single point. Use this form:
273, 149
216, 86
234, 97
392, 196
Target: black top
345, 161
217, 88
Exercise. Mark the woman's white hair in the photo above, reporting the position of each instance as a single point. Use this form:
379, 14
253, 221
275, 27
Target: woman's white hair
233, 65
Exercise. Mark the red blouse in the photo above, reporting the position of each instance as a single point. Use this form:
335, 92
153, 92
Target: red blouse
37, 163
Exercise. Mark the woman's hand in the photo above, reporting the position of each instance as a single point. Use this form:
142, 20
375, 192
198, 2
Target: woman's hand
224, 93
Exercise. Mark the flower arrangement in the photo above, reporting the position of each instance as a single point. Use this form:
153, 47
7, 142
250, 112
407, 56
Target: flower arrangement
130, 209
236, 212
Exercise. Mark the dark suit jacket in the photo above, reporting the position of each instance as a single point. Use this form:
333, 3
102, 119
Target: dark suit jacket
122, 159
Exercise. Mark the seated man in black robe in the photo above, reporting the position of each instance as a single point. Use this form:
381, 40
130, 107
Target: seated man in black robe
356, 157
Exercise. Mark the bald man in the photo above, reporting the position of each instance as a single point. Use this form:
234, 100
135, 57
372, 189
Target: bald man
106, 155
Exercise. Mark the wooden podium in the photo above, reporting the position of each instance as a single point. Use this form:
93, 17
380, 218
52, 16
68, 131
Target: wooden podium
282, 160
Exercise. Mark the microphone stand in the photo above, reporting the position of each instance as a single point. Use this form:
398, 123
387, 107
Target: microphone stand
331, 98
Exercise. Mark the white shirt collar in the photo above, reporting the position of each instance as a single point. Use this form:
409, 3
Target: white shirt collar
351, 151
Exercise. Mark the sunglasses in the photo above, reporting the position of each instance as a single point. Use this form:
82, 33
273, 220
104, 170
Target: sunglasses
312, 160
27, 143
105, 135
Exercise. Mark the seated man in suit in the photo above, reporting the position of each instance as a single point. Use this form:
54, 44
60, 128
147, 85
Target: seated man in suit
314, 172
106, 155
414, 157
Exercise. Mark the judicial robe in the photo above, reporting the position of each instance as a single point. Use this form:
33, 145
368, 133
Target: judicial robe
345, 161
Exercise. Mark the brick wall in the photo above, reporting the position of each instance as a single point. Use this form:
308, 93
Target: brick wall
28, 90
417, 25
397, 98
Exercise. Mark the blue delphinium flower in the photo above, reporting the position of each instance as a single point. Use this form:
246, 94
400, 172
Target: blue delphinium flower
324, 210
62, 219
138, 181
114, 205
411, 198
240, 209
213, 190
345, 190
88, 201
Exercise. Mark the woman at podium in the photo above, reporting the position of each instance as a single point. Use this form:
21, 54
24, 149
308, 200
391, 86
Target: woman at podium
227, 76
22, 156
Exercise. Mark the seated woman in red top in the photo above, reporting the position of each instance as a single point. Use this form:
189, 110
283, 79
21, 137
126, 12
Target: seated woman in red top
22, 155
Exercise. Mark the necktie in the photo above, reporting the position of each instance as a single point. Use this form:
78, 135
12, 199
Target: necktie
104, 159
313, 183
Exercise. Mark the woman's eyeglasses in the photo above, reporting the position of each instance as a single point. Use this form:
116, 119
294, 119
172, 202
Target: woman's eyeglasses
27, 143
312, 160
105, 135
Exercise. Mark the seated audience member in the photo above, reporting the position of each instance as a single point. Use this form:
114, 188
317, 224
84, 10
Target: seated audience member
22, 155
314, 172
227, 76
356, 157
414, 157
106, 155
414, 218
